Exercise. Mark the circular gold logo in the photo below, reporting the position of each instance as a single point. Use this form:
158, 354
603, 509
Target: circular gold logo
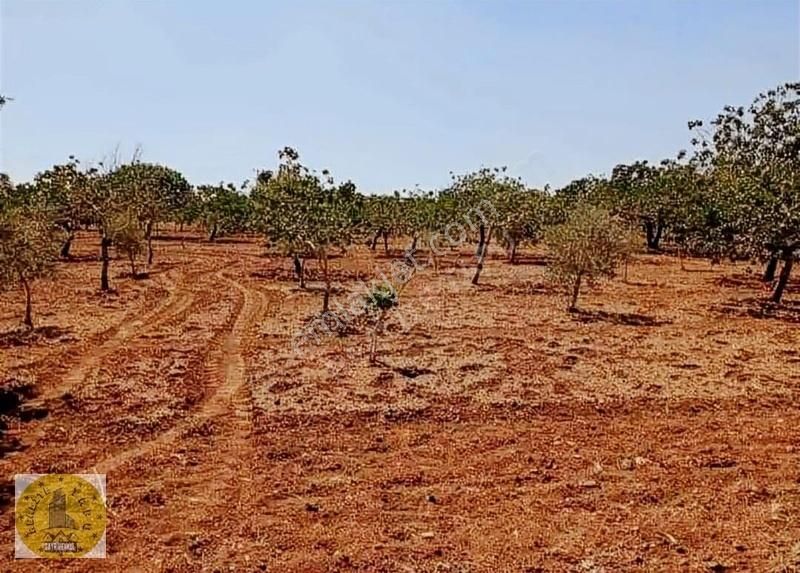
60, 516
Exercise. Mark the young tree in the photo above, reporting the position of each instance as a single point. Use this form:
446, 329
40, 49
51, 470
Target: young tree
589, 245
381, 299
28, 249
128, 237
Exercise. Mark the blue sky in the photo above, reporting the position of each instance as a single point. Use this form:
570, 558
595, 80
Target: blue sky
389, 93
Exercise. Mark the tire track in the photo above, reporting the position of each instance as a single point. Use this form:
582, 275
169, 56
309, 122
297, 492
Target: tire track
177, 301
226, 365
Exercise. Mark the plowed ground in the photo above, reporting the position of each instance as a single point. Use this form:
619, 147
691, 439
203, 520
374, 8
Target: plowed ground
657, 430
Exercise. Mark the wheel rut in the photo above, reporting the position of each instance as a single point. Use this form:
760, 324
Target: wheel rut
229, 395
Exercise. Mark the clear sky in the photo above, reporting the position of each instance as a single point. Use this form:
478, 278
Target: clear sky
388, 93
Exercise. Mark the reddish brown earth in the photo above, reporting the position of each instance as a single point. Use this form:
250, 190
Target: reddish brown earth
658, 430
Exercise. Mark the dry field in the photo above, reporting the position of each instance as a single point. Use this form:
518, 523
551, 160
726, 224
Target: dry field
657, 430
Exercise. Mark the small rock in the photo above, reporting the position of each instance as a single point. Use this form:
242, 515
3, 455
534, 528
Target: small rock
588, 484
427, 535
341, 558
431, 498
312, 507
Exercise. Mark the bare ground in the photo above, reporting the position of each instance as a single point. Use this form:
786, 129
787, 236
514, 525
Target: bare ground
656, 430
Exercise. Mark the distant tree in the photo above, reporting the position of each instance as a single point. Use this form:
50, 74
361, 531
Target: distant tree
64, 189
479, 196
28, 249
155, 192
589, 245
523, 216
307, 215
223, 209
384, 216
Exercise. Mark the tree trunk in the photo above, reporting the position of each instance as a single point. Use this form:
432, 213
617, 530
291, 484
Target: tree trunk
326, 276
132, 258
413, 248
783, 280
213, 234
576, 288
148, 234
649, 230
772, 266
373, 346
512, 250
65, 247
374, 242
28, 320
481, 240
104, 244
386, 242
482, 256
657, 238
299, 270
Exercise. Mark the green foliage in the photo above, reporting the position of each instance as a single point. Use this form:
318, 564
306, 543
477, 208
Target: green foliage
382, 297
380, 300
588, 246
305, 213
752, 159
222, 209
154, 192
128, 237
29, 242
384, 215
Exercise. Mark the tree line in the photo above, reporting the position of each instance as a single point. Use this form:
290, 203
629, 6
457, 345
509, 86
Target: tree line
735, 193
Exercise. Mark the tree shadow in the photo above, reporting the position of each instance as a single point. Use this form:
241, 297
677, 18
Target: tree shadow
752, 307
623, 318
530, 260
521, 288
229, 241
80, 259
180, 238
740, 280
29, 336
14, 394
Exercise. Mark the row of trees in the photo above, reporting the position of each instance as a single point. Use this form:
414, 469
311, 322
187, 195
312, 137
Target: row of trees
736, 194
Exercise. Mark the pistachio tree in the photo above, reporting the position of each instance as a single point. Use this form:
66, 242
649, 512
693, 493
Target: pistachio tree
64, 188
306, 214
156, 193
29, 244
589, 245
752, 156
484, 199
223, 209
383, 217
